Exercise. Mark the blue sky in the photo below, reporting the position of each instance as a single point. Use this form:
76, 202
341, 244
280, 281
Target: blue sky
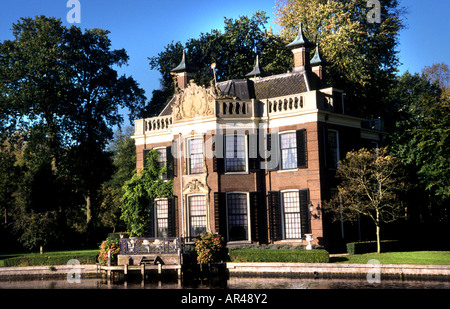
144, 27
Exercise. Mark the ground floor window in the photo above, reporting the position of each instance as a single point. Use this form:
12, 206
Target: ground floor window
162, 217
197, 214
291, 215
237, 216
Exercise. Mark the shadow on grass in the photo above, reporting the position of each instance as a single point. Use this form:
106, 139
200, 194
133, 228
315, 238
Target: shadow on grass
336, 259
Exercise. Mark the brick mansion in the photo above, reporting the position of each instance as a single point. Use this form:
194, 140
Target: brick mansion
252, 159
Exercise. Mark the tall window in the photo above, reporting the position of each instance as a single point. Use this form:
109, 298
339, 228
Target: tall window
197, 214
162, 158
235, 154
291, 213
237, 216
333, 148
162, 217
195, 155
288, 145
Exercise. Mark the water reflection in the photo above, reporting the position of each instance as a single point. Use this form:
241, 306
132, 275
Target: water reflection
232, 283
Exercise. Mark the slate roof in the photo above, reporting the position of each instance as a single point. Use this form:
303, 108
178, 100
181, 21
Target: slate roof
167, 111
280, 85
265, 87
242, 89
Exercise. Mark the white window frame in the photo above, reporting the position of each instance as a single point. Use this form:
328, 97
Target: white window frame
245, 153
188, 154
188, 212
281, 169
155, 216
283, 222
249, 231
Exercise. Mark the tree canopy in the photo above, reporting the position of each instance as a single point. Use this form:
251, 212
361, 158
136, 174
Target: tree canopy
371, 182
364, 54
421, 134
234, 51
61, 98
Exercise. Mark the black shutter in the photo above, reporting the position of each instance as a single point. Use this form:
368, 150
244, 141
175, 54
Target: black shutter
151, 218
145, 155
276, 232
253, 156
220, 214
169, 163
172, 216
255, 202
273, 148
301, 149
305, 219
217, 145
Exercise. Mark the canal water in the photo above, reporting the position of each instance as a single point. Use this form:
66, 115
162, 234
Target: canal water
231, 283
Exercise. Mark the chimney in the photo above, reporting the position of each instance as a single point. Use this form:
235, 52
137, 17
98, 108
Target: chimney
318, 65
184, 72
301, 48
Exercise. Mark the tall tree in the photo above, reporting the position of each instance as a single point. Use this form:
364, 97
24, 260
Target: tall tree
234, 51
439, 73
364, 53
370, 184
64, 81
421, 137
124, 160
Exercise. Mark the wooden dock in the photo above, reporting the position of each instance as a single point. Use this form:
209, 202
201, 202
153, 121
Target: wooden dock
143, 268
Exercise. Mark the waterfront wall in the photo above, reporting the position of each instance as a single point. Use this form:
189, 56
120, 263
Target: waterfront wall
298, 270
327, 270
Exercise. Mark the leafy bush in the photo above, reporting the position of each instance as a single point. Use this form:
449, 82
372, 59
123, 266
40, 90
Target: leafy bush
108, 244
210, 248
371, 246
280, 255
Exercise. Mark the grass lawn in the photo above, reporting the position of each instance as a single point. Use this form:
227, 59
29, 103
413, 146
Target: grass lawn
413, 257
53, 255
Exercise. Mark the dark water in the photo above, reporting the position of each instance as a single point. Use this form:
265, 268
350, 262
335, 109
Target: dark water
232, 283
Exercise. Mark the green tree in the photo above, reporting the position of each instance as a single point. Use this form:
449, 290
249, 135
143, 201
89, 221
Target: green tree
234, 51
364, 54
140, 190
124, 160
370, 183
439, 73
35, 216
421, 136
64, 81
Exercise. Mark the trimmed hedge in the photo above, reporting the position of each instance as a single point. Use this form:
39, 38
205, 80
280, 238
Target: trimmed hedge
280, 255
371, 246
49, 260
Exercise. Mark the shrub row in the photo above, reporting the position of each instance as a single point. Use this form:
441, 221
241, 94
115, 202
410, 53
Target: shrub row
43, 260
371, 246
279, 255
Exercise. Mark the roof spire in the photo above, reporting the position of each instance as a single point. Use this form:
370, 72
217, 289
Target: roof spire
300, 40
184, 65
257, 71
318, 59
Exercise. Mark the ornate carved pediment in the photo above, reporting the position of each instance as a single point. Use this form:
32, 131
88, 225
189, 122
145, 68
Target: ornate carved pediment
194, 101
195, 186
